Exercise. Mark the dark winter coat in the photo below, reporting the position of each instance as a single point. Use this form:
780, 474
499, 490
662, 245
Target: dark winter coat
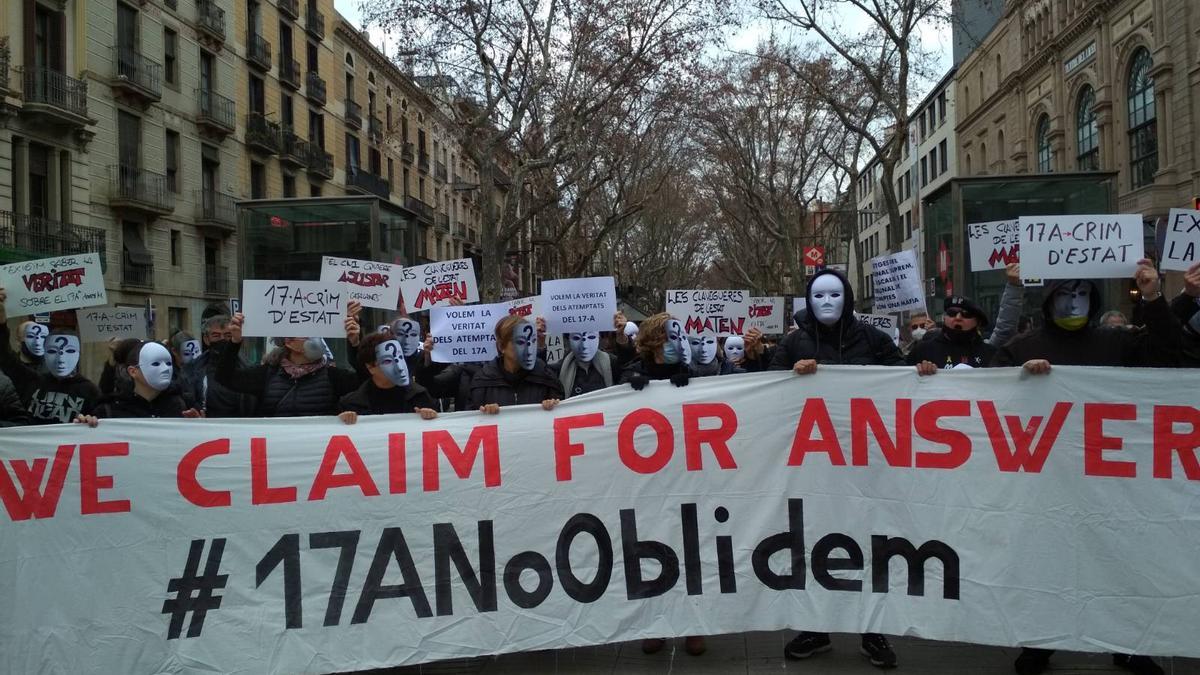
214, 398
652, 371
1157, 345
130, 405
947, 349
452, 381
369, 399
847, 342
1184, 307
48, 399
493, 385
280, 395
12, 412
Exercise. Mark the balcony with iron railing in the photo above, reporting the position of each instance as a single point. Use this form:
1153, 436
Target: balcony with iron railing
218, 114
367, 182
293, 149
4, 65
216, 281
315, 88
289, 71
442, 222
290, 8
320, 163
210, 20
138, 276
25, 237
375, 129
135, 189
314, 23
407, 152
420, 207
215, 209
439, 171
54, 95
258, 51
262, 134
353, 114
458, 179
137, 76
423, 162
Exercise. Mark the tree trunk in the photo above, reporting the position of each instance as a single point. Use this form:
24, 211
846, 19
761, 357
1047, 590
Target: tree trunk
490, 285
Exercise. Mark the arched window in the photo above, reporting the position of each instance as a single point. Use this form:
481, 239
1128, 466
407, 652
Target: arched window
1087, 132
968, 164
983, 165
1045, 157
1143, 123
1000, 149
371, 76
349, 59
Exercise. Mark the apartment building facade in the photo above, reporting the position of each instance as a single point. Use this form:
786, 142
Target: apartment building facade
929, 161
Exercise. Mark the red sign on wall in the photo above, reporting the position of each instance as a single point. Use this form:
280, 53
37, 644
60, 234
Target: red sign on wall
814, 255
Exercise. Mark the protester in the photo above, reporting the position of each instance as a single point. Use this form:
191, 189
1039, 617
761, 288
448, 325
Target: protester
734, 350
829, 333
12, 411
33, 345
1114, 318
114, 378
517, 376
1066, 338
390, 388
758, 352
299, 379
585, 367
622, 342
154, 393
185, 350
1186, 307
706, 359
919, 324
663, 353
958, 344
213, 398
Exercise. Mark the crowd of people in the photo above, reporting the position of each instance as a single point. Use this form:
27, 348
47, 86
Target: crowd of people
391, 370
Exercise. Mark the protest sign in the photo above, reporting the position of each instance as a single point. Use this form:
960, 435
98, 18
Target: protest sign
897, 280
1081, 247
976, 506
436, 284
530, 307
993, 245
100, 324
465, 334
1183, 237
579, 305
374, 284
53, 284
887, 323
721, 313
294, 309
556, 348
766, 314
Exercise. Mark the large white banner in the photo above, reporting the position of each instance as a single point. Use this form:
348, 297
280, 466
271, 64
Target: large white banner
978, 506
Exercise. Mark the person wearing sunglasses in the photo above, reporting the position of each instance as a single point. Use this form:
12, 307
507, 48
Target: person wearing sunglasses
958, 344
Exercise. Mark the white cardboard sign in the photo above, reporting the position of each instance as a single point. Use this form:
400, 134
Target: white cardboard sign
766, 314
530, 307
436, 284
1183, 238
53, 284
897, 280
1081, 247
993, 245
294, 309
465, 334
374, 284
720, 313
579, 305
100, 324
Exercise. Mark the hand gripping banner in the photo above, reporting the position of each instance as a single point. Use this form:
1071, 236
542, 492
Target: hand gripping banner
979, 506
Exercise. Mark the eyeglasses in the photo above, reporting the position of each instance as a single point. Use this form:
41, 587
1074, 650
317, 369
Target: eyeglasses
955, 313
916, 326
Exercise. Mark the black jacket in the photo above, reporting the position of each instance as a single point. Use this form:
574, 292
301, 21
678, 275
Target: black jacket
1184, 307
947, 350
48, 399
652, 371
1158, 344
129, 405
214, 398
492, 385
452, 381
369, 399
280, 395
847, 342
12, 411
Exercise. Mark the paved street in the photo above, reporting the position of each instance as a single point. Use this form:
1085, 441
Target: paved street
761, 653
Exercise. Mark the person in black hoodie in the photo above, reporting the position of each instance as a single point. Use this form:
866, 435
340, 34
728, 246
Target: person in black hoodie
58, 395
390, 388
517, 376
154, 394
663, 353
959, 342
33, 345
1186, 307
297, 381
1067, 338
828, 333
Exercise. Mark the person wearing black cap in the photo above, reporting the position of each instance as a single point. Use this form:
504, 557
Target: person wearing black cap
959, 343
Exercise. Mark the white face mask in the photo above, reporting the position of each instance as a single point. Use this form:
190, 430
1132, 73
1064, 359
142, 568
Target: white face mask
584, 346
525, 345
918, 334
62, 355
408, 332
155, 363
631, 329
827, 299
389, 358
1072, 301
191, 349
704, 348
35, 339
735, 348
676, 349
